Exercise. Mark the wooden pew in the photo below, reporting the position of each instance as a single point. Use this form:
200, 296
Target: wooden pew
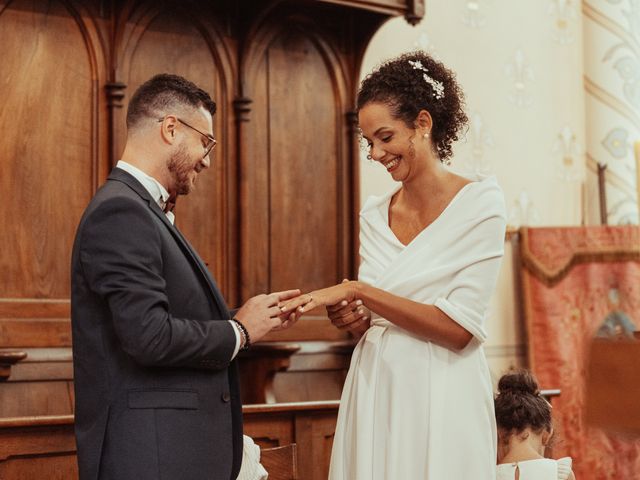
43, 447
38, 447
280, 462
258, 368
37, 380
310, 425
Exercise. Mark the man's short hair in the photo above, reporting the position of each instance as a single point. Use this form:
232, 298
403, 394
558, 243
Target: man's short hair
165, 92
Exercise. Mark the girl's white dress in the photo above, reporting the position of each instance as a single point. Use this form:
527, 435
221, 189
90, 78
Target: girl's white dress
411, 409
541, 469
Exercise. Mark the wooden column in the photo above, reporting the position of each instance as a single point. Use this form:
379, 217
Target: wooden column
115, 95
242, 112
602, 193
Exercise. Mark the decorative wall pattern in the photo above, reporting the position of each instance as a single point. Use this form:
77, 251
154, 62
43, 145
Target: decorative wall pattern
612, 84
564, 14
523, 212
480, 139
569, 155
424, 43
520, 74
474, 15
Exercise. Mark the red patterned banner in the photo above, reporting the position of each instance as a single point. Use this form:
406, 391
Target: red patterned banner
580, 283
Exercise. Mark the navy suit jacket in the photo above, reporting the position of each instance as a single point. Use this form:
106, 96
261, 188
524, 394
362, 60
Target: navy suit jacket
156, 394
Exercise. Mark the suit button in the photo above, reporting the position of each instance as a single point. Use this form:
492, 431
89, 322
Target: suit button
226, 397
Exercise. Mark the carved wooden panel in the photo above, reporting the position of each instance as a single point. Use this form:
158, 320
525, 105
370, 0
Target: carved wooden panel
276, 209
254, 188
314, 435
34, 323
303, 174
172, 43
47, 150
293, 204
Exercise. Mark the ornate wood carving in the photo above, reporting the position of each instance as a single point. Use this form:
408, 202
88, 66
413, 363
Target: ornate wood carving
242, 109
286, 141
278, 207
415, 11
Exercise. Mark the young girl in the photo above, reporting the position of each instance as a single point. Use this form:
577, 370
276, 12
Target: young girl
525, 427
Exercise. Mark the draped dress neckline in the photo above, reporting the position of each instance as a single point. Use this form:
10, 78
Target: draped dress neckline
386, 206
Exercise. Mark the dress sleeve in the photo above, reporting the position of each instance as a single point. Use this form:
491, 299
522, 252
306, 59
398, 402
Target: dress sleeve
564, 468
479, 248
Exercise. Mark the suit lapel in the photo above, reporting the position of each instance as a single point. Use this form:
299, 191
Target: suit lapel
120, 175
222, 305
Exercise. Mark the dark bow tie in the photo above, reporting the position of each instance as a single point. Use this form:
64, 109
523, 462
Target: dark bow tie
170, 204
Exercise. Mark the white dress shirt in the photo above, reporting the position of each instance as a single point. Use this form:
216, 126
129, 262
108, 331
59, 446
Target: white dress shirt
161, 195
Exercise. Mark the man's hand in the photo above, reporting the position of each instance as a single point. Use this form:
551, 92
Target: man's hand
261, 314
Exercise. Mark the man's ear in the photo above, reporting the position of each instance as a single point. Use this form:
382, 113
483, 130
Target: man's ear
168, 129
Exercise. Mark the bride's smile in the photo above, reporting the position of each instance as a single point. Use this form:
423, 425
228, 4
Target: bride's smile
391, 164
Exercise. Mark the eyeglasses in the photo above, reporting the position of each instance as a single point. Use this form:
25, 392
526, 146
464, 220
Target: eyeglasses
211, 142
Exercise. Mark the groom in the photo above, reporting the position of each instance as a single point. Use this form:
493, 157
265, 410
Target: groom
154, 344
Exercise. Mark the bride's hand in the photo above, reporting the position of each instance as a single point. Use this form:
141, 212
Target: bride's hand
353, 317
325, 296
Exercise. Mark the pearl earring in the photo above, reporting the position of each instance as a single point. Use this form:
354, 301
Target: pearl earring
426, 136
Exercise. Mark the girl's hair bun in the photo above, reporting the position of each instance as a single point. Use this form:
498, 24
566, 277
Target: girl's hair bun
521, 382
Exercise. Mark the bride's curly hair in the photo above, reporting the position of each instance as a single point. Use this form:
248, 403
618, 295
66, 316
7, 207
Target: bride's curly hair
397, 83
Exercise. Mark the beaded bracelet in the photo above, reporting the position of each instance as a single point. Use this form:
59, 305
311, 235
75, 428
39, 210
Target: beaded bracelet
245, 334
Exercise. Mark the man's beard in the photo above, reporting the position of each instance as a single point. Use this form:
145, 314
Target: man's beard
181, 168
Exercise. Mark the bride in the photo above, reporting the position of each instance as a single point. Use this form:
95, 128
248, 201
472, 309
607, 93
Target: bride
417, 402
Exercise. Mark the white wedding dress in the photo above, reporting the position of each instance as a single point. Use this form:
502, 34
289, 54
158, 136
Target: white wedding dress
411, 409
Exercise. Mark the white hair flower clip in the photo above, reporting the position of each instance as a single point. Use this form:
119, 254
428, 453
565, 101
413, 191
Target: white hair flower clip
438, 87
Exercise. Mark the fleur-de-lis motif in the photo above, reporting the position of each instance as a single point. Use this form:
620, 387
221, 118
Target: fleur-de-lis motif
563, 11
473, 16
567, 148
521, 74
523, 213
424, 43
480, 139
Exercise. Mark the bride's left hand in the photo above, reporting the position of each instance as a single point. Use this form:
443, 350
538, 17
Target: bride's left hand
323, 297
